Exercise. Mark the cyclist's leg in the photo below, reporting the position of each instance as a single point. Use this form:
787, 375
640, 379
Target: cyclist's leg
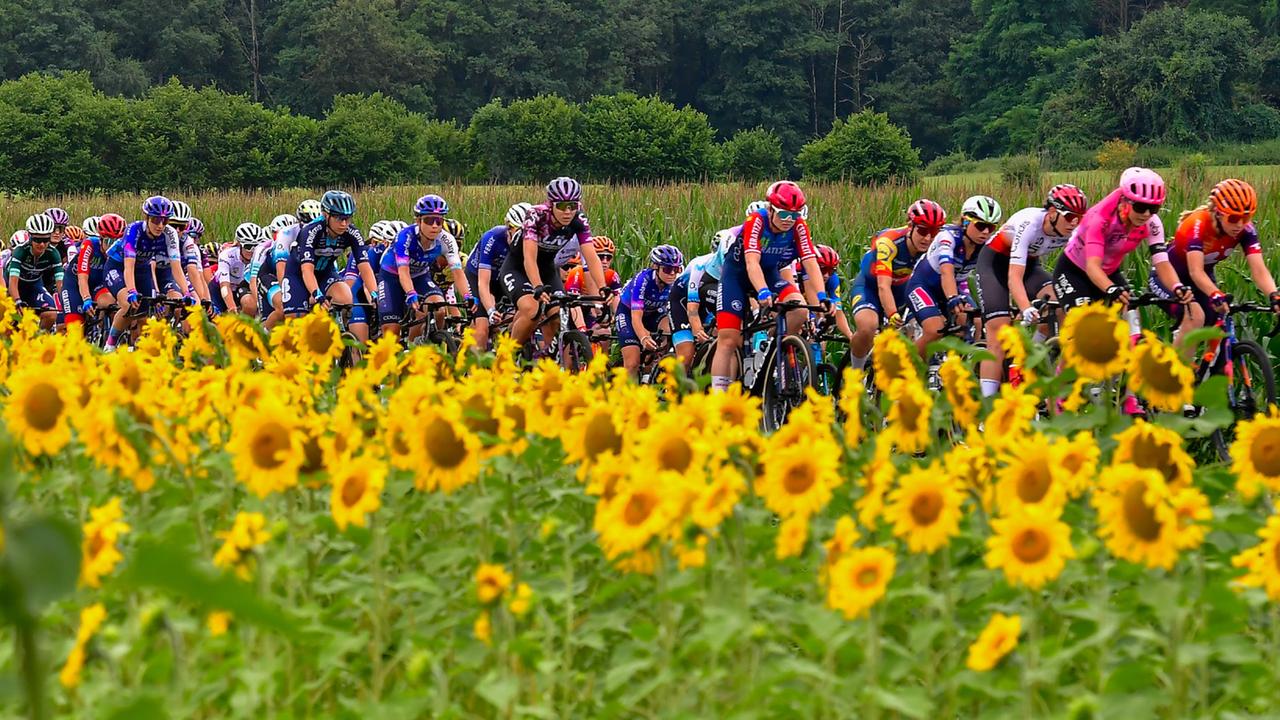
391, 303
928, 312
731, 308
993, 293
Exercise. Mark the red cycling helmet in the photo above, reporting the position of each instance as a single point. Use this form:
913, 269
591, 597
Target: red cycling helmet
785, 195
111, 226
828, 258
1067, 198
926, 213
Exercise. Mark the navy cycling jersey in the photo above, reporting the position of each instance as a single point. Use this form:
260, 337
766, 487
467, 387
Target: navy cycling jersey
491, 251
89, 257
644, 292
948, 248
143, 247
373, 256
407, 251
776, 249
315, 247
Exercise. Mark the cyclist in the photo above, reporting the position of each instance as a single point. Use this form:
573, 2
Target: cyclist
1205, 237
34, 268
233, 286
483, 263
16, 240
644, 304
939, 283
552, 230
693, 296
311, 275
381, 235
404, 276
73, 236
88, 292
264, 283
129, 261
192, 258
58, 240
1089, 268
309, 211
1010, 265
575, 279
879, 289
829, 263
770, 240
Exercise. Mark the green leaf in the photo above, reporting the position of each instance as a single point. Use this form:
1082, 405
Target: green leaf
618, 675
911, 702
1202, 335
174, 570
43, 557
147, 707
498, 690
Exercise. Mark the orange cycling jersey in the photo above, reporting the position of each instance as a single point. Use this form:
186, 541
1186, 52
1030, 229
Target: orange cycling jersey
1199, 231
573, 281
887, 262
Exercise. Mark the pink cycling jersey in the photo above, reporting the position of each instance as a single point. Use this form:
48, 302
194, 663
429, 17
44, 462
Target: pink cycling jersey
1102, 234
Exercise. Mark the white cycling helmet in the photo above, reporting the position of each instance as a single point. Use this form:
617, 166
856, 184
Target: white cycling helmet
40, 224
90, 225
757, 206
181, 213
280, 222
249, 234
382, 231
983, 209
397, 226
518, 213
19, 238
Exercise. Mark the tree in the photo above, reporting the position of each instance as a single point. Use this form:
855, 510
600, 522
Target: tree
866, 148
628, 138
528, 140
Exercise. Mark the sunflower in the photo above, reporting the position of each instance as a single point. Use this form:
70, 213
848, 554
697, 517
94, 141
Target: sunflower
98, 551
973, 469
798, 480
877, 478
842, 541
1095, 341
483, 628
925, 508
792, 536
1255, 454
639, 510
91, 618
1159, 375
1013, 340
594, 437
266, 447
1075, 462
961, 390
491, 582
383, 356
523, 599
996, 640
248, 531
859, 579
217, 622
1262, 561
718, 498
37, 410
850, 404
1138, 521
738, 413
910, 408
1009, 421
1157, 448
893, 359
447, 454
641, 562
692, 556
1192, 509
242, 341
1031, 545
156, 341
357, 489
318, 337
1028, 478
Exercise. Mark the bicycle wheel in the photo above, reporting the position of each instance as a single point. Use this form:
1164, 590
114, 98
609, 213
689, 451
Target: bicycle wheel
350, 352
786, 374
575, 351
1252, 390
447, 341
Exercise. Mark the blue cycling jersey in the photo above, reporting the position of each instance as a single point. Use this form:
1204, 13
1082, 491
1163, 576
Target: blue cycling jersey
373, 255
948, 248
407, 251
644, 292
491, 251
143, 247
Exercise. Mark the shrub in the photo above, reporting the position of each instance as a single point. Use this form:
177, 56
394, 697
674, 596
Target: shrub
451, 145
865, 148
373, 139
1191, 169
644, 139
528, 140
953, 163
1021, 170
1116, 155
752, 155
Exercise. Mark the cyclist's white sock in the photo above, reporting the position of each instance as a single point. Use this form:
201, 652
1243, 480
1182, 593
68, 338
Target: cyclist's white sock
858, 363
990, 388
720, 383
1039, 335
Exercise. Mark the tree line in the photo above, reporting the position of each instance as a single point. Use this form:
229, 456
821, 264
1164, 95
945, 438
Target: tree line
980, 77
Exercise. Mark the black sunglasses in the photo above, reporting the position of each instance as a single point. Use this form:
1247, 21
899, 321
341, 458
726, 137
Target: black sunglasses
1146, 207
984, 226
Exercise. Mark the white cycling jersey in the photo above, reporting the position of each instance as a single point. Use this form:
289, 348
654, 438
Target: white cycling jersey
1022, 237
231, 267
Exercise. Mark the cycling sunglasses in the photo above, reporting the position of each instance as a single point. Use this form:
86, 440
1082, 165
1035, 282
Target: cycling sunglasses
984, 226
1140, 207
1233, 219
567, 205
604, 256
339, 216
927, 231
787, 214
670, 268
431, 219
35, 239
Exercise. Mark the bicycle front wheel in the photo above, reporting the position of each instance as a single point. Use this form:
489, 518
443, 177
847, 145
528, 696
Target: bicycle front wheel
787, 372
1252, 391
575, 351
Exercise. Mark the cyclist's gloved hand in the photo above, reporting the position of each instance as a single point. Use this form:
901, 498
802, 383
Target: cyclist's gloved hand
317, 297
1115, 292
472, 302
764, 296
132, 297
411, 299
824, 300
1182, 293
894, 321
1275, 301
1220, 302
542, 293
86, 307
373, 297
492, 313
607, 292
1030, 316
189, 299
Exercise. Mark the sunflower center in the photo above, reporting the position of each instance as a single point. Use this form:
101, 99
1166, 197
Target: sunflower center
891, 366
353, 489
1095, 339
268, 445
1030, 546
1275, 555
675, 454
1264, 453
1157, 372
131, 379
398, 444
1140, 516
444, 446
318, 338
799, 478
909, 411
43, 406
312, 456
478, 415
639, 507
516, 414
96, 544
1034, 482
601, 436
867, 577
926, 507
1152, 454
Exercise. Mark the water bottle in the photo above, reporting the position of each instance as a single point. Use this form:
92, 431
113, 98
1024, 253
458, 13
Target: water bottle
758, 340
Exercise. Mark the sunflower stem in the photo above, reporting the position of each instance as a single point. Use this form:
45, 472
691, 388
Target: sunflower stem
1031, 668
949, 604
380, 605
873, 660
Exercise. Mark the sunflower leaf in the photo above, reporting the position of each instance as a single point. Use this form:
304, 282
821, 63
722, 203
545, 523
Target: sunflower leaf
911, 702
42, 562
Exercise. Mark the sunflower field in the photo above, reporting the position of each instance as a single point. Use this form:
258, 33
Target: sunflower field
233, 527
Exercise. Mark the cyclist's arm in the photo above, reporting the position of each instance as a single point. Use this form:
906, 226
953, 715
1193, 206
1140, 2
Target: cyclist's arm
1261, 275
811, 270
948, 276
1199, 278
130, 272
366, 274
460, 285
1017, 286
483, 278
637, 322
842, 324
884, 287
15, 269
1093, 268
594, 266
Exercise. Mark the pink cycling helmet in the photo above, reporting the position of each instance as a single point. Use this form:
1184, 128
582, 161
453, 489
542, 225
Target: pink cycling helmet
1142, 185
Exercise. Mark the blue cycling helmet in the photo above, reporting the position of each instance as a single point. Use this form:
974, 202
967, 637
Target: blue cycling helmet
157, 206
337, 202
669, 255
431, 205
195, 227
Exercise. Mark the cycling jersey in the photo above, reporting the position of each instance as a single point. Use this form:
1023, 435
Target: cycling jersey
262, 265
232, 267
89, 259
144, 247
645, 292
45, 268
351, 273
1199, 231
407, 251
775, 248
831, 286
710, 266
1102, 234
491, 251
1022, 237
573, 282
540, 228
947, 248
191, 253
315, 247
890, 256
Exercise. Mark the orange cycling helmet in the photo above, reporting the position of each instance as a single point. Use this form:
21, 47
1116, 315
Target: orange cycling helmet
1234, 197
603, 245
73, 234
